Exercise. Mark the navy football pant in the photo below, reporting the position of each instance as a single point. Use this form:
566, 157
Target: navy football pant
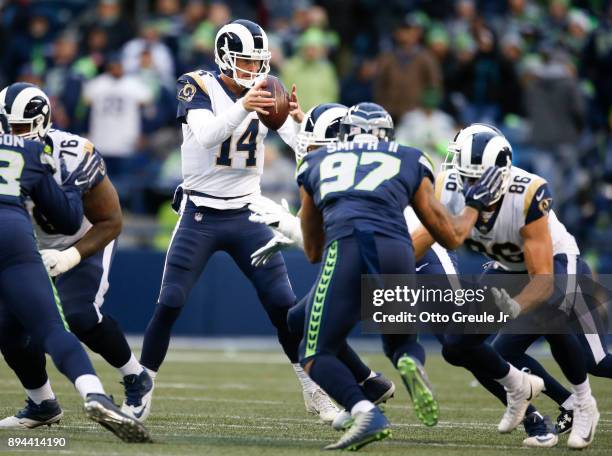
594, 348
81, 291
334, 307
200, 232
30, 311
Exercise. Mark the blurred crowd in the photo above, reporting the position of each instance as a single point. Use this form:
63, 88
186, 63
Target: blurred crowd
539, 70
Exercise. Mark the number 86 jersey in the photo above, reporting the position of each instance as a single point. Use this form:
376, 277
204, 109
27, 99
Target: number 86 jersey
498, 234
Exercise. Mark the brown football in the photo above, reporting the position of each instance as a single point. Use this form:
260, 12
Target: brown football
277, 114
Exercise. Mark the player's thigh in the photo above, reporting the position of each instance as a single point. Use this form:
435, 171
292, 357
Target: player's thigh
28, 295
333, 307
82, 289
193, 242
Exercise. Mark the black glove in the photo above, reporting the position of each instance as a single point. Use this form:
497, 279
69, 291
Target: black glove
86, 175
481, 194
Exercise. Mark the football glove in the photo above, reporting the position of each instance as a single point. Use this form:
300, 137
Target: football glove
59, 261
85, 175
279, 242
484, 190
505, 303
277, 216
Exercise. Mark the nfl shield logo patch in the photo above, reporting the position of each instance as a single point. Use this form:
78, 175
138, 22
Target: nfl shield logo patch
198, 217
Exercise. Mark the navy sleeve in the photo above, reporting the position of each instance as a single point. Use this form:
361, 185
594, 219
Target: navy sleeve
190, 95
416, 166
57, 210
304, 170
540, 204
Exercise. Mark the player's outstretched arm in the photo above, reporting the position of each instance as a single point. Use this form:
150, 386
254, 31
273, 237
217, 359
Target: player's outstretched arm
312, 228
450, 231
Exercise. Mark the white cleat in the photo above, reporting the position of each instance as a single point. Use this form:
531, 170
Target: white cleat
319, 403
138, 395
541, 441
343, 421
518, 401
586, 417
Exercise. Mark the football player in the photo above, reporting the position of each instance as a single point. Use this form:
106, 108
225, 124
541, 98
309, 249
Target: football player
222, 160
79, 263
353, 195
319, 128
520, 233
29, 305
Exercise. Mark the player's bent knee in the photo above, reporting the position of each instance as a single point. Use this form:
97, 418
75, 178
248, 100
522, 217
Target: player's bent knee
172, 296
81, 323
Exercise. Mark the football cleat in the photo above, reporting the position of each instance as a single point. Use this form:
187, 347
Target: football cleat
539, 430
34, 415
586, 417
564, 421
378, 389
101, 409
343, 421
518, 401
319, 403
138, 395
367, 428
417, 383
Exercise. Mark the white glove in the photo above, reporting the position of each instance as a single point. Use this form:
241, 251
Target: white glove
279, 242
505, 302
59, 261
277, 216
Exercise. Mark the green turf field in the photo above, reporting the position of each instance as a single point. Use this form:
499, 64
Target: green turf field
249, 403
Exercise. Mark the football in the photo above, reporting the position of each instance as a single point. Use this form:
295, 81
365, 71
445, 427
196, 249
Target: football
278, 113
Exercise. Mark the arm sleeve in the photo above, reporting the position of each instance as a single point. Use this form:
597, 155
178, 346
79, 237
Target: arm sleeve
288, 132
57, 210
209, 129
190, 95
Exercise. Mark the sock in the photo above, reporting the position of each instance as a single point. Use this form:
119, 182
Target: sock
361, 407
372, 374
513, 379
151, 373
582, 391
569, 403
307, 384
41, 394
88, 384
132, 367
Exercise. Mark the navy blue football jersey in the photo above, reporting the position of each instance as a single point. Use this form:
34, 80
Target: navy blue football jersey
26, 171
363, 186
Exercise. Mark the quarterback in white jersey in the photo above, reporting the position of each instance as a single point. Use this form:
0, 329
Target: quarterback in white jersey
222, 162
79, 263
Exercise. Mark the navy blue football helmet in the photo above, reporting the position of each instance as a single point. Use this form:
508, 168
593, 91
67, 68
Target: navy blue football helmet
368, 119
321, 126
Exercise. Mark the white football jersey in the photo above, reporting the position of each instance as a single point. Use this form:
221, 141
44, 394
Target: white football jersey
72, 149
232, 169
500, 238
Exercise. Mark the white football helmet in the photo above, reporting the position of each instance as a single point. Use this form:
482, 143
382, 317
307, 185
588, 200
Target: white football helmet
242, 39
320, 127
28, 110
476, 148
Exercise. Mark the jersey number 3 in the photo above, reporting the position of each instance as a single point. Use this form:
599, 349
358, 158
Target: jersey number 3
11, 167
339, 170
247, 142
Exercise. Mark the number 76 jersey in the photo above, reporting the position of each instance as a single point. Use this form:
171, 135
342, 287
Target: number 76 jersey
498, 235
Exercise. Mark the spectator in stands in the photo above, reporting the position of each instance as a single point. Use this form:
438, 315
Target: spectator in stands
116, 99
511, 93
150, 41
108, 15
189, 44
358, 85
427, 127
464, 18
91, 63
312, 71
578, 28
407, 71
62, 83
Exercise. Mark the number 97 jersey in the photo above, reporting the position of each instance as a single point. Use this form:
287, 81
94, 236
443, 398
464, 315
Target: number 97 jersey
498, 234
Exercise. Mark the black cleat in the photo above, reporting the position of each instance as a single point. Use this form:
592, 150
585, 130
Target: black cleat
378, 389
34, 415
101, 409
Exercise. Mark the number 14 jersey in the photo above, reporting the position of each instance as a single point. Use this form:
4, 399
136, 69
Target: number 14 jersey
498, 234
